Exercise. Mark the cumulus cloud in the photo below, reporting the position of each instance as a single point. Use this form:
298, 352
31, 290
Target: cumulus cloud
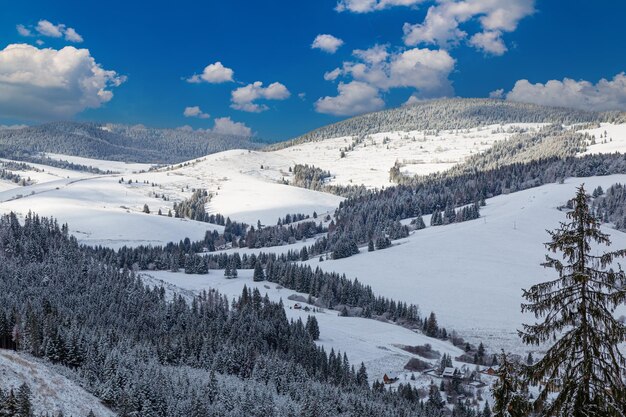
423, 69
48, 29
499, 93
72, 36
213, 73
23, 30
243, 98
327, 43
442, 23
225, 126
366, 6
195, 111
489, 42
377, 69
332, 75
40, 84
602, 96
355, 97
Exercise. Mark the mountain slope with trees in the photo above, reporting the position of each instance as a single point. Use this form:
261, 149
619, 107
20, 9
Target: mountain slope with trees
457, 113
117, 142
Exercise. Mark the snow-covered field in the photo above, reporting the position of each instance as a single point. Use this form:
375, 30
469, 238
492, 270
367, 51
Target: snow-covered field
609, 138
102, 210
51, 391
375, 343
472, 274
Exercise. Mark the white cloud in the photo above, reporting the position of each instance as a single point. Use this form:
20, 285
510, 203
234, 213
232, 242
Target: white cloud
195, 111
327, 43
602, 96
355, 97
39, 84
332, 75
489, 42
23, 30
213, 73
72, 36
442, 23
243, 98
423, 69
366, 6
499, 93
46, 28
225, 126
377, 69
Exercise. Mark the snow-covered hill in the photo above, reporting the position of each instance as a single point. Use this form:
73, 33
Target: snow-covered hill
104, 210
51, 392
472, 273
246, 185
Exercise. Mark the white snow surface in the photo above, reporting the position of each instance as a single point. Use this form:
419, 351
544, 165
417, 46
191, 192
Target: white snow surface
51, 391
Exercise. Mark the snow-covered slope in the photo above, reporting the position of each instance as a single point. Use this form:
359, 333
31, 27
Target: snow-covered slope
51, 391
103, 209
472, 274
607, 138
418, 152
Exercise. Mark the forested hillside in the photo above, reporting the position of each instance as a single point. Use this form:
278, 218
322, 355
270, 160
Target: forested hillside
145, 356
118, 142
446, 114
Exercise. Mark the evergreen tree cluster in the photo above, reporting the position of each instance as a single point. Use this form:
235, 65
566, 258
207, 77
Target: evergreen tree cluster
7, 175
310, 177
610, 206
450, 215
379, 212
146, 356
16, 403
194, 208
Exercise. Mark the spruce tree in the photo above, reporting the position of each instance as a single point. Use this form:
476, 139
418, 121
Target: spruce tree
313, 327
578, 308
509, 390
258, 275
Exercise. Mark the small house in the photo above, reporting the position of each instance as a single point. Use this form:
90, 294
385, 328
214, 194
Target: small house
448, 372
489, 371
297, 306
390, 378
475, 386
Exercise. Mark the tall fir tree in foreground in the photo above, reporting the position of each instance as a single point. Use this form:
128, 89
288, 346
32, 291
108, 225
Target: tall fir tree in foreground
578, 308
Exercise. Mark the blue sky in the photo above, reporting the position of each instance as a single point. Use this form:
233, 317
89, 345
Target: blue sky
133, 63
